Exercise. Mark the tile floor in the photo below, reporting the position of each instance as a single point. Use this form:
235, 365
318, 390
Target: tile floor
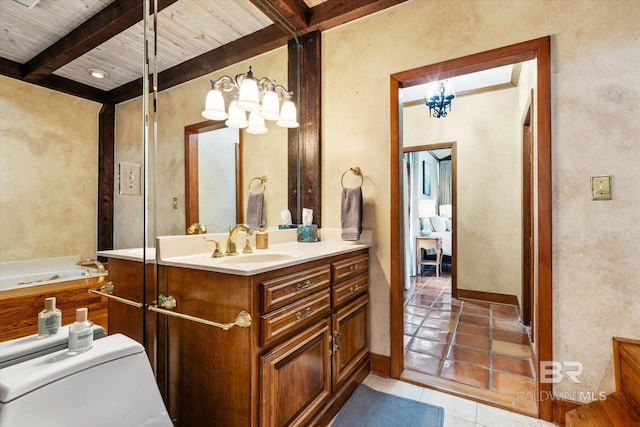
458, 412
476, 345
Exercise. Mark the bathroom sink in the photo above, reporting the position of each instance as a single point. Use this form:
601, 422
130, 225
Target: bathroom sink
259, 258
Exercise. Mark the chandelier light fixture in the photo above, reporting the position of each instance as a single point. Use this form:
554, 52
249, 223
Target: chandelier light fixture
259, 97
438, 98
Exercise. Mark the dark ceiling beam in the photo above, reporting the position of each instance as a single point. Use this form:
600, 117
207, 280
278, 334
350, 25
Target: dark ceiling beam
324, 16
14, 70
332, 13
105, 25
254, 44
110, 21
10, 68
62, 84
295, 13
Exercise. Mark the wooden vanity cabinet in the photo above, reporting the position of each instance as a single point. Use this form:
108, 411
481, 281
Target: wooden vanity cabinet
296, 377
299, 361
303, 376
350, 338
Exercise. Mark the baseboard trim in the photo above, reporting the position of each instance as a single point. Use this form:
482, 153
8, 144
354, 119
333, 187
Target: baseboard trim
488, 296
561, 407
380, 364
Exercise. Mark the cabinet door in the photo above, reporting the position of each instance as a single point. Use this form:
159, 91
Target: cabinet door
350, 339
296, 378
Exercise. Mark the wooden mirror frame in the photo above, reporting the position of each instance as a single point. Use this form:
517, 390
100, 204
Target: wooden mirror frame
539, 50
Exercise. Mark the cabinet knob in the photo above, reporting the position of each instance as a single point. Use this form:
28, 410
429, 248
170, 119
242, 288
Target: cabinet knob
354, 267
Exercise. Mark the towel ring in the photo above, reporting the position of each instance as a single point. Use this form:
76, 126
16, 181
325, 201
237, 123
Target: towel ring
357, 172
262, 180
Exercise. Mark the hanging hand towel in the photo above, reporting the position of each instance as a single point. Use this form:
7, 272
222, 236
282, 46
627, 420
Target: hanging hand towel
255, 210
351, 213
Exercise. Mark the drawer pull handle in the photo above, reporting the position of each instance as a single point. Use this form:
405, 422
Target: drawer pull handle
303, 286
307, 312
354, 267
355, 288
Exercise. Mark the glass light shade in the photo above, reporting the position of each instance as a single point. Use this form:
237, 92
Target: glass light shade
249, 98
214, 106
448, 88
237, 117
431, 91
288, 115
256, 124
270, 106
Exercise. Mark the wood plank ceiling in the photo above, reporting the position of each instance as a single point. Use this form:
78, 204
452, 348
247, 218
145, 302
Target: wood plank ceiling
54, 43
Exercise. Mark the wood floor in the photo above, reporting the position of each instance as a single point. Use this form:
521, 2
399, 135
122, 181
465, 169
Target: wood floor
475, 349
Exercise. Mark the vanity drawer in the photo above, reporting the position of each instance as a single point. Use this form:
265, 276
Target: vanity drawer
349, 289
279, 292
293, 316
350, 267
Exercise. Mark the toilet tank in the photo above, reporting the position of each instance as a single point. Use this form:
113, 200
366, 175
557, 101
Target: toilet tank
110, 385
21, 349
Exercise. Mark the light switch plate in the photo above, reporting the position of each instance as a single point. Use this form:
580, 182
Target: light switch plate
601, 187
129, 178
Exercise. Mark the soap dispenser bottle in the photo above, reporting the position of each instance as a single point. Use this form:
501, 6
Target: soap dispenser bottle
80, 333
262, 239
49, 319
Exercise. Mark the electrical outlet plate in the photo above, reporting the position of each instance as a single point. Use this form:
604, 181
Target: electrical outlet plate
601, 187
129, 179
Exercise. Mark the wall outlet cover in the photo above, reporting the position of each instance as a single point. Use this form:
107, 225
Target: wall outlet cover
129, 178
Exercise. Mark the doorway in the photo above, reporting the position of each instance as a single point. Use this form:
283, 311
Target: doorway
540, 51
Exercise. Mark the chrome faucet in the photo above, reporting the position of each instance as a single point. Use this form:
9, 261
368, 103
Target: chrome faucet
197, 227
90, 261
233, 233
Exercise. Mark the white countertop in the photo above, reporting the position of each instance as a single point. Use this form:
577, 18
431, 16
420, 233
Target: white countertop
133, 254
195, 252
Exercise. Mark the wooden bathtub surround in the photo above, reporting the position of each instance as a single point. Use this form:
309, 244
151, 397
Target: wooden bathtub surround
19, 308
306, 351
621, 408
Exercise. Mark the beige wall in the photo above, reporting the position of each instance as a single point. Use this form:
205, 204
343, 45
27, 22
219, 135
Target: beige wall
181, 106
595, 55
48, 173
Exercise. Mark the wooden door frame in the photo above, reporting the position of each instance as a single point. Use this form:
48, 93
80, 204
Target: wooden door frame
538, 49
528, 226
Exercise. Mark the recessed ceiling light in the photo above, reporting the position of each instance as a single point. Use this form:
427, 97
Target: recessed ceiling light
27, 3
97, 73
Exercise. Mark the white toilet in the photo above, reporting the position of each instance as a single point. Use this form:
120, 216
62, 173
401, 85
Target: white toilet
110, 385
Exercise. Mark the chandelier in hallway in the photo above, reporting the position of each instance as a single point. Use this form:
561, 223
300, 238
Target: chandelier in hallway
438, 98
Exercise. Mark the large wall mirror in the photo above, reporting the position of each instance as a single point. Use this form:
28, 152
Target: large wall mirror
179, 111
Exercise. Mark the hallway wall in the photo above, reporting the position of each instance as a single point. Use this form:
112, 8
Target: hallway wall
595, 56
